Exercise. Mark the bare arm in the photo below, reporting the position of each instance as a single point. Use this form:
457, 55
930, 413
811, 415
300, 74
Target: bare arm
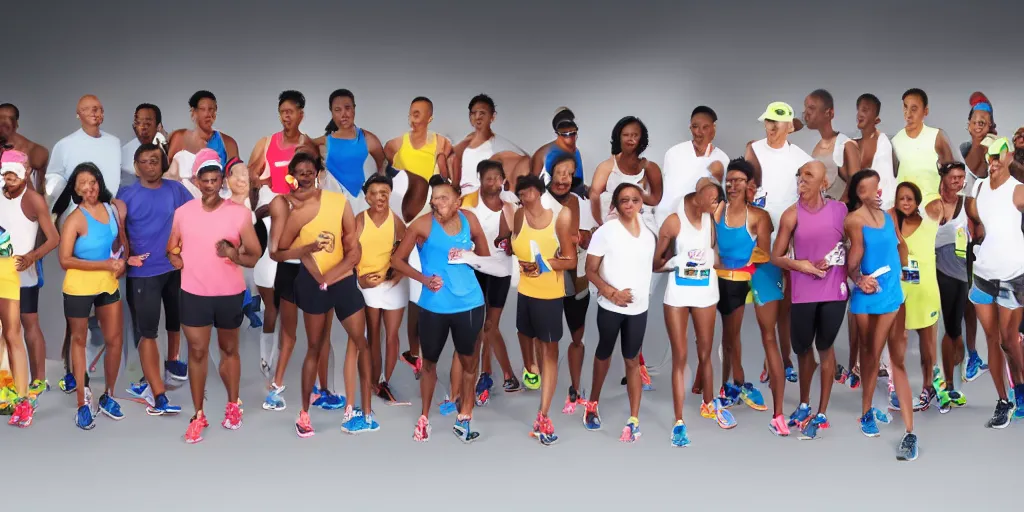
943, 148
376, 150
481, 246
537, 161
353, 251
456, 161
750, 156
787, 224
978, 231
444, 151
230, 146
653, 174
666, 237
856, 252
597, 187
38, 159
391, 149
851, 162
38, 207
975, 159
566, 259
1018, 198
901, 246
257, 162
418, 230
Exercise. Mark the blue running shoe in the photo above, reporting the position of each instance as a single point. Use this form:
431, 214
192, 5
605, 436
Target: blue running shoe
868, 426
791, 374
176, 370
810, 431
68, 384
800, 416
463, 431
484, 383
752, 397
162, 407
729, 394
448, 407
973, 368
1018, 398
274, 400
371, 423
142, 391
359, 423
591, 418
329, 401
110, 407
679, 437
894, 401
881, 416
908, 448
84, 419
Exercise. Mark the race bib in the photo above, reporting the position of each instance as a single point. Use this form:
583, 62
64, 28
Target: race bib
911, 273
837, 256
696, 271
760, 198
960, 244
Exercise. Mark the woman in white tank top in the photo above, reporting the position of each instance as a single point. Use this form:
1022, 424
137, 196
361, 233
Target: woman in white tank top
629, 140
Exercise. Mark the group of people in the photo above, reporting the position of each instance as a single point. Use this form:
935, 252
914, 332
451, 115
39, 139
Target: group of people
889, 232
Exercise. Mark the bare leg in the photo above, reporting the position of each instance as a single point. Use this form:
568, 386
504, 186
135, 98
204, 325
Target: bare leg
875, 330
17, 355
675, 323
575, 356
634, 388
78, 329
36, 345
315, 337
373, 321
495, 344
549, 351
355, 327
111, 320
988, 316
971, 327
828, 372
198, 339
289, 315
767, 317
529, 359
785, 343
392, 322
731, 325
926, 337
898, 373
1009, 322
324, 363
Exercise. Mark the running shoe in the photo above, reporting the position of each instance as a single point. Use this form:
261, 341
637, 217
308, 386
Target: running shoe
810, 430
414, 362
1019, 401
483, 399
544, 431
110, 408
752, 397
591, 417
645, 379
484, 383
908, 448
729, 394
194, 433
358, 423
176, 370
448, 406
894, 401
854, 379
800, 416
512, 385
385, 394
868, 426
274, 400
950, 399
84, 419
882, 416
142, 391
67, 384
531, 380
973, 367
22, 415
679, 437
303, 428
1001, 417
422, 431
842, 374
924, 400
463, 431
329, 401
571, 401
38, 387
232, 416
778, 426
764, 376
161, 407
791, 374
716, 411
631, 431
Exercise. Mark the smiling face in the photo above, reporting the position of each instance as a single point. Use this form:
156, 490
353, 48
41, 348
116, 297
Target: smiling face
238, 179
702, 129
867, 115
491, 182
954, 179
906, 203
736, 185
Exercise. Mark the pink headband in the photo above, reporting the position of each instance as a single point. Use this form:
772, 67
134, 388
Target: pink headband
14, 161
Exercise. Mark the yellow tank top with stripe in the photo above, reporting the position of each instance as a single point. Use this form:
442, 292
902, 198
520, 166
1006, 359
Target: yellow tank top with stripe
421, 162
376, 243
325, 229
547, 285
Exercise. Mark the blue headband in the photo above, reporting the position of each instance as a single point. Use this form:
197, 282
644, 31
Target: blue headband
983, 106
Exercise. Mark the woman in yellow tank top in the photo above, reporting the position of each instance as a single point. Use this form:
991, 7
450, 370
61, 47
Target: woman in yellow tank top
419, 163
544, 246
324, 226
385, 291
920, 310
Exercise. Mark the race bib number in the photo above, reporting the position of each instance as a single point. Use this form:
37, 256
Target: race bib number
960, 243
911, 273
696, 271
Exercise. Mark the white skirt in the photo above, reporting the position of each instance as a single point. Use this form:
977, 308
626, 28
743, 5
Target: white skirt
386, 296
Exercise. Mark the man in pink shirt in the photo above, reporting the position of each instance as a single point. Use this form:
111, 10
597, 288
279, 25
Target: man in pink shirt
211, 239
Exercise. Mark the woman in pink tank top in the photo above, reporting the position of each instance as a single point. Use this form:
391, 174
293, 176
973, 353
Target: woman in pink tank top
817, 268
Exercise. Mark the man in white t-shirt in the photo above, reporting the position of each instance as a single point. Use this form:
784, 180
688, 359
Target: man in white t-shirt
687, 162
148, 128
88, 144
775, 162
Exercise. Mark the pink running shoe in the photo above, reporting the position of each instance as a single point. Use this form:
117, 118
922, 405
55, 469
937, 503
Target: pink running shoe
778, 426
303, 427
421, 433
194, 434
232, 417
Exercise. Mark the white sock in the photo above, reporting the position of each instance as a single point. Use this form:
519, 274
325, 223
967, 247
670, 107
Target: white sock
266, 339
275, 351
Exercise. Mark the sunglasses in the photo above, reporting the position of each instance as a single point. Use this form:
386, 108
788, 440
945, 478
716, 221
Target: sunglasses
568, 135
781, 112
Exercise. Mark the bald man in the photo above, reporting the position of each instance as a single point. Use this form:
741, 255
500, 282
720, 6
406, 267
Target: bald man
38, 156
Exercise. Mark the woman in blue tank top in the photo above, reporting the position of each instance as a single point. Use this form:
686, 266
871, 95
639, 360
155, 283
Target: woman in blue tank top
344, 146
873, 264
451, 301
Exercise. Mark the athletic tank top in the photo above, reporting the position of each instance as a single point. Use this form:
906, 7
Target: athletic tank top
345, 159
490, 221
216, 143
918, 159
832, 163
471, 157
538, 246
325, 228
921, 254
276, 161
816, 236
461, 290
377, 244
998, 256
555, 152
422, 161
778, 175
882, 163
951, 245
94, 245
695, 274
881, 249
735, 247
21, 235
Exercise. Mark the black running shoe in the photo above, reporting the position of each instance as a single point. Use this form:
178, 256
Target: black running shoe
1001, 416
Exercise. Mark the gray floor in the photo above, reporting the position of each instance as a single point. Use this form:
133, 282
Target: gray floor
264, 465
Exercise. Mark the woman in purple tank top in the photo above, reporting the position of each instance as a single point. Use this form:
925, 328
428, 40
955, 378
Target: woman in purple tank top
818, 273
